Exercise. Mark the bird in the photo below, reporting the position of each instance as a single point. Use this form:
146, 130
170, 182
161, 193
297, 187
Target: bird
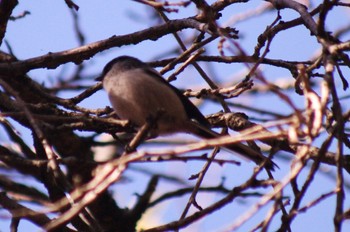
138, 92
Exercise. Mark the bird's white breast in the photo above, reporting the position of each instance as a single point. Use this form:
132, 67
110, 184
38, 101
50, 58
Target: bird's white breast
136, 96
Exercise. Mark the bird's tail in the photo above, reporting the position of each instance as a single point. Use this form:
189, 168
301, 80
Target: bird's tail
240, 148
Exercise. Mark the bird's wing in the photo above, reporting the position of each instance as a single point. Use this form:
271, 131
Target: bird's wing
191, 110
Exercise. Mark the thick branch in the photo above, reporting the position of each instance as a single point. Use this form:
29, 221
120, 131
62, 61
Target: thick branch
6, 7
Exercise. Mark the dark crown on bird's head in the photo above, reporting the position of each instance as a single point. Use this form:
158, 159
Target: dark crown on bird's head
122, 63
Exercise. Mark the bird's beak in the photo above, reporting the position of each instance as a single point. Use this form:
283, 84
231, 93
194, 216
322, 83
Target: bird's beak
99, 78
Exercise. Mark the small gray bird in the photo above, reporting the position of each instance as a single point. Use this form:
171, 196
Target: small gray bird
138, 92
